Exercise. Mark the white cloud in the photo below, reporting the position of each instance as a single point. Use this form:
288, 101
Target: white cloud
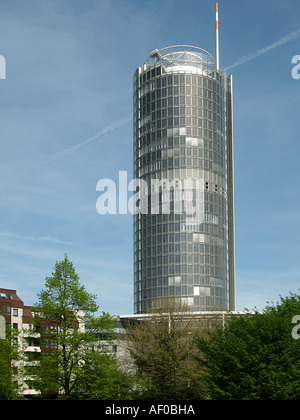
37, 239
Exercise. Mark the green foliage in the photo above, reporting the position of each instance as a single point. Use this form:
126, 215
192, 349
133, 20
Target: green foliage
8, 353
102, 379
8, 390
254, 356
69, 363
162, 349
63, 296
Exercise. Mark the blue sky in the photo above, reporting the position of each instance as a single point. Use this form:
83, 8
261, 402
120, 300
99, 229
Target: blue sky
65, 123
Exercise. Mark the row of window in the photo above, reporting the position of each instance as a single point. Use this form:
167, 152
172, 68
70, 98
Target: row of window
186, 237
169, 144
161, 157
187, 150
183, 258
184, 247
213, 204
178, 95
191, 132
210, 213
179, 107
183, 79
179, 116
179, 227
194, 125
166, 270
181, 280
187, 110
182, 291
186, 179
183, 226
196, 303
179, 237
184, 163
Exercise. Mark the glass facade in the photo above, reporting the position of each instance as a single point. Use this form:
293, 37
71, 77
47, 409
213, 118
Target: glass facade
183, 228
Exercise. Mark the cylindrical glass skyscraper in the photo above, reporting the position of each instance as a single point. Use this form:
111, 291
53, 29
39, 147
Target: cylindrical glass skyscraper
184, 223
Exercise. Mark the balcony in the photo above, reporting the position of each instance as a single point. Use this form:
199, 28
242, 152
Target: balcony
32, 349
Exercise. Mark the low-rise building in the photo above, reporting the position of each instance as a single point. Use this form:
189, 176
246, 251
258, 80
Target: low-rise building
18, 316
31, 340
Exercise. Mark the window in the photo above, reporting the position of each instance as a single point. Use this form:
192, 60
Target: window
6, 296
6, 310
15, 312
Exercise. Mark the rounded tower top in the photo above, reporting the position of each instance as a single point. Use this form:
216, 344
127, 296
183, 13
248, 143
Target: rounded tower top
182, 56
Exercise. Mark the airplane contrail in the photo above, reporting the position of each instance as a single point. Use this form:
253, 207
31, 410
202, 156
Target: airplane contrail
281, 41
49, 160
108, 128
124, 120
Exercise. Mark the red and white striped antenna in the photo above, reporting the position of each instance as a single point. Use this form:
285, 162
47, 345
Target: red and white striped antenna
217, 39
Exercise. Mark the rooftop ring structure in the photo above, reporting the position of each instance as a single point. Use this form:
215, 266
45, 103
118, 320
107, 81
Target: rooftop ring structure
185, 56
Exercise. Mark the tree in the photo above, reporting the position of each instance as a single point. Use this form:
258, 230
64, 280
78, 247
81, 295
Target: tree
162, 350
69, 330
103, 379
254, 356
8, 355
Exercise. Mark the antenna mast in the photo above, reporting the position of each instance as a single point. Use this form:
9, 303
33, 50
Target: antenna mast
217, 39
